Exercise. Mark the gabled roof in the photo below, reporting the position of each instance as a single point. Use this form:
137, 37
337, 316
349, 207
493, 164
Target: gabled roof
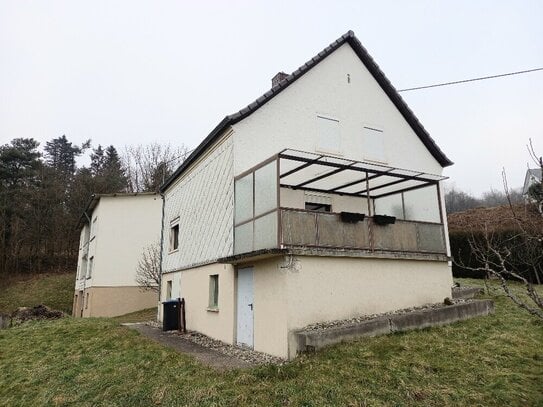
368, 62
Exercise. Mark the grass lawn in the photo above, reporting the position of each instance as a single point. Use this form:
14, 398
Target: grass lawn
54, 290
487, 361
147, 314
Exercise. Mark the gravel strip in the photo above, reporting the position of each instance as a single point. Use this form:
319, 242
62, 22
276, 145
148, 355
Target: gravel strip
239, 352
321, 326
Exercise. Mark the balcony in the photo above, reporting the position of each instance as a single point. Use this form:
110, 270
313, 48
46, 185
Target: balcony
310, 203
309, 229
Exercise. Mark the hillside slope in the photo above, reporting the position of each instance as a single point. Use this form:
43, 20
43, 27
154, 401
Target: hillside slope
54, 290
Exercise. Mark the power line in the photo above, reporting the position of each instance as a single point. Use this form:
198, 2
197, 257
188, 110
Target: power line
471, 80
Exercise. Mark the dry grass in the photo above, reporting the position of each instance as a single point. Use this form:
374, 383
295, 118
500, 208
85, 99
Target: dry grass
488, 361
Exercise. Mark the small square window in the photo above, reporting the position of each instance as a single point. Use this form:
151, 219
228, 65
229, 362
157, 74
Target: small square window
174, 237
214, 291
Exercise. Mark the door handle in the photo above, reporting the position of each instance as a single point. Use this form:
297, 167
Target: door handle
250, 305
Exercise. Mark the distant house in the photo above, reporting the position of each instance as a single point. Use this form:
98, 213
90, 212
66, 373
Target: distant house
533, 176
115, 229
321, 200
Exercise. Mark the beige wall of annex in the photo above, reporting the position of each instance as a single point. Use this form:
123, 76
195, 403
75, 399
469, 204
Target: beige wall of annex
114, 301
333, 288
194, 288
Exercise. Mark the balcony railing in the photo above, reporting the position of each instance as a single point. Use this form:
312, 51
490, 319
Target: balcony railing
302, 228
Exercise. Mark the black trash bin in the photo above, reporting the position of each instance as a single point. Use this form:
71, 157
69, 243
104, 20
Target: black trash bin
170, 315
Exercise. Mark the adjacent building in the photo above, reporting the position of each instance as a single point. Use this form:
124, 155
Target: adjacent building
321, 200
115, 230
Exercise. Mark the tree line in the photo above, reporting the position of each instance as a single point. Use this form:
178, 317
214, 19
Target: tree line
458, 201
43, 194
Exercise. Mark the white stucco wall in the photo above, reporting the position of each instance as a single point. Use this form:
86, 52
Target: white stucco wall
203, 200
126, 225
289, 119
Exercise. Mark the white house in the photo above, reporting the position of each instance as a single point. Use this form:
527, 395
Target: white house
272, 223
115, 229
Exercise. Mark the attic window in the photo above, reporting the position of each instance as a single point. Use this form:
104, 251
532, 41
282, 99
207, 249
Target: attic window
373, 142
174, 237
328, 135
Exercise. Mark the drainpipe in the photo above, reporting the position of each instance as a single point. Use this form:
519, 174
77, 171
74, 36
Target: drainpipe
160, 257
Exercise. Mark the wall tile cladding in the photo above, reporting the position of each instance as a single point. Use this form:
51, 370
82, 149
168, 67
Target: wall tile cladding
204, 203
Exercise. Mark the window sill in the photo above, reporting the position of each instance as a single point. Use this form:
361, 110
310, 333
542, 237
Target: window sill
210, 309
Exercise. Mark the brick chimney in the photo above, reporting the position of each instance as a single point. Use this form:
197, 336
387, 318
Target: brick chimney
278, 78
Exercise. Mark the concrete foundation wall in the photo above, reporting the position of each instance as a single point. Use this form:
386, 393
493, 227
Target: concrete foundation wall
112, 301
193, 286
327, 289
291, 293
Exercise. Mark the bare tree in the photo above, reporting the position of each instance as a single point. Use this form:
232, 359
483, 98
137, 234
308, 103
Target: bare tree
148, 269
148, 166
513, 255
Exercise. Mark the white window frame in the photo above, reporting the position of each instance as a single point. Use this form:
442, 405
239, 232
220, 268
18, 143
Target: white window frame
213, 303
324, 148
373, 130
174, 224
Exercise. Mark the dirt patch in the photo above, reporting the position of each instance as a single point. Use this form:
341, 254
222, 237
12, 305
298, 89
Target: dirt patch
37, 313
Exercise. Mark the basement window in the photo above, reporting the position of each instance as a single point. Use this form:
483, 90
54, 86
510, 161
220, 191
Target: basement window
168, 290
318, 207
214, 292
174, 237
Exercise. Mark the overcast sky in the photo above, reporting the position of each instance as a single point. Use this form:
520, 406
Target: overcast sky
129, 72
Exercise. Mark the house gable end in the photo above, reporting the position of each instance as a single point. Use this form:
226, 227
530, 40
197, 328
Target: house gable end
372, 67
